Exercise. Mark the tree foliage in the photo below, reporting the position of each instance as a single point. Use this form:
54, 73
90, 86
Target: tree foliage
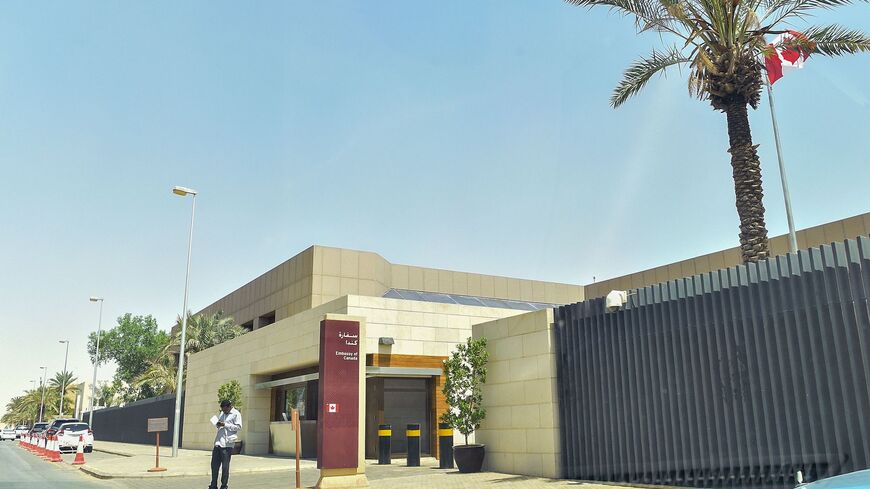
465, 372
231, 391
203, 331
723, 43
24, 409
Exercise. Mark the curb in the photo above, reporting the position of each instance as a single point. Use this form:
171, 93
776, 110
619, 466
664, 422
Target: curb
99, 474
114, 452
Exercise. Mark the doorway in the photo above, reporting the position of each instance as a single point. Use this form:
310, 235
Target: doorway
398, 402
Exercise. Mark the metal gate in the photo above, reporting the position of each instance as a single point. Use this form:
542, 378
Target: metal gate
734, 378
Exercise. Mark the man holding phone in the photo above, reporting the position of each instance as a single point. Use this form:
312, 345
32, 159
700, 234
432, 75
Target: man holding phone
228, 425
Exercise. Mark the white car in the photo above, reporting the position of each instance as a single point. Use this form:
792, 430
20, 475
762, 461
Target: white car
7, 434
21, 431
69, 433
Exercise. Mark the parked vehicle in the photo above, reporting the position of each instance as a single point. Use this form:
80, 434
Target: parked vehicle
37, 429
21, 431
7, 434
68, 436
54, 426
852, 480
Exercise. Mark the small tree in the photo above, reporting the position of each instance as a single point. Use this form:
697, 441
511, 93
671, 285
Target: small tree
466, 373
231, 391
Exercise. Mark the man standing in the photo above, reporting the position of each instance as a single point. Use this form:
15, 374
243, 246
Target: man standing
228, 425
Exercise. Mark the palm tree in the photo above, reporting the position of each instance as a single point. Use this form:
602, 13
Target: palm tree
67, 381
722, 42
203, 331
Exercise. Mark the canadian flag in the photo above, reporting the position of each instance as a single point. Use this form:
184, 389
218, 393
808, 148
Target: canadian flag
789, 52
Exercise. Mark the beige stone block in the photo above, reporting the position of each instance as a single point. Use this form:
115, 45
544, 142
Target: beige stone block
537, 390
497, 417
542, 440
423, 334
549, 415
473, 284
539, 291
512, 440
400, 276
528, 464
866, 223
514, 289
331, 261
459, 322
499, 462
498, 372
537, 343
416, 279
408, 347
449, 335
500, 287
546, 366
460, 283
507, 348
778, 245
371, 288
732, 257
524, 323
368, 264
526, 416
716, 261
550, 466
430, 280
487, 286
526, 290
445, 281
523, 369
350, 263
854, 227
436, 349
348, 286
833, 232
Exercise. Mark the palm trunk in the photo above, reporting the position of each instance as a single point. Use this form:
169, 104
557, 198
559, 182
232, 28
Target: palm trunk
747, 184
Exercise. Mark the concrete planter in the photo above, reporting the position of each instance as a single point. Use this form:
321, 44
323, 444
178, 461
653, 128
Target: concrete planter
469, 458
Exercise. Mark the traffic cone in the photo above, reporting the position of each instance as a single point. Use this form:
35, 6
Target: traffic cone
43, 444
55, 453
80, 452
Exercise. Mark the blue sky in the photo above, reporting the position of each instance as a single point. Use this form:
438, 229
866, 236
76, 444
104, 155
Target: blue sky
463, 135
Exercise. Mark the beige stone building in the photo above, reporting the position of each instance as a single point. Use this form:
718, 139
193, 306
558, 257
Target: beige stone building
411, 319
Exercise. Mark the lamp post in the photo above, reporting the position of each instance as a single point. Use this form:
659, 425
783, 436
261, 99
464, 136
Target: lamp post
96, 362
63, 379
183, 192
42, 388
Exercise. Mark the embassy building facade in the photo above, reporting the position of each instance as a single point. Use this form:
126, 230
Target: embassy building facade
412, 318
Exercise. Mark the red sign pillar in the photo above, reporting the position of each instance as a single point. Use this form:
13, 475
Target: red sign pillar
338, 429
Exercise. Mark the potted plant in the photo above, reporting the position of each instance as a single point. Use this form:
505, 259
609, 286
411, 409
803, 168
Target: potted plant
232, 391
465, 372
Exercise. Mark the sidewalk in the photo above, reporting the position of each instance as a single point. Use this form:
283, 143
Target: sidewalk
133, 461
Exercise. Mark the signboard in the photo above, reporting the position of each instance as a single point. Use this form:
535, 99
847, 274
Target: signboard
156, 425
338, 393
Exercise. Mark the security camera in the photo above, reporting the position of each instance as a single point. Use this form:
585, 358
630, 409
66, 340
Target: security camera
615, 300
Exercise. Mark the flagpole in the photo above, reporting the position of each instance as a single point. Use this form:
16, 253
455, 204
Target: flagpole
792, 237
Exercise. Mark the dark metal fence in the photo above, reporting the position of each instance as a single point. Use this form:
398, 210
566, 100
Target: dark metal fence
128, 424
734, 378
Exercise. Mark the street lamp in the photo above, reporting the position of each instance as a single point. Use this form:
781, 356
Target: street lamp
183, 192
96, 362
63, 379
42, 388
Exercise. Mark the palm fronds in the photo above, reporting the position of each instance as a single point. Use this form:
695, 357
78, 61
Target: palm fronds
641, 71
835, 40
